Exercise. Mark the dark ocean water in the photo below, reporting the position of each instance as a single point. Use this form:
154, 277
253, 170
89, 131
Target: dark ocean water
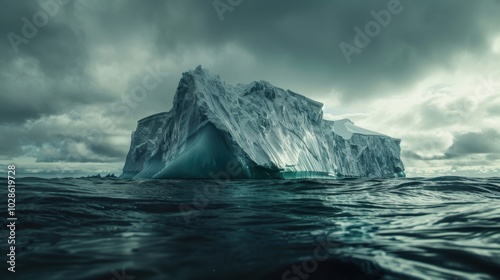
420, 228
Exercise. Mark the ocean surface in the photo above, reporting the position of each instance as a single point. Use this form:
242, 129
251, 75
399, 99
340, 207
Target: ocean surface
114, 229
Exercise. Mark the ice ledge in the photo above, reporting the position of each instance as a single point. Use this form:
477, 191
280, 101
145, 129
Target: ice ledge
346, 129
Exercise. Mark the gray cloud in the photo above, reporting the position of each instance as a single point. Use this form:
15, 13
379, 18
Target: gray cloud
305, 37
48, 74
481, 147
92, 53
10, 142
301, 39
485, 142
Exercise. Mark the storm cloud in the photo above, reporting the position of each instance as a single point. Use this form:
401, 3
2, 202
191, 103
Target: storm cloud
428, 75
485, 142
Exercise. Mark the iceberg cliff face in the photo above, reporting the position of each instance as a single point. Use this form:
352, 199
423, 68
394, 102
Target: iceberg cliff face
253, 131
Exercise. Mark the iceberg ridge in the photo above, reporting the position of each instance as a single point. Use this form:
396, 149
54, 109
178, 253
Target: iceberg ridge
253, 130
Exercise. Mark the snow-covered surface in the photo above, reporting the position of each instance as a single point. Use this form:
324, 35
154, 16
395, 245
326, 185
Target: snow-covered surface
253, 130
346, 129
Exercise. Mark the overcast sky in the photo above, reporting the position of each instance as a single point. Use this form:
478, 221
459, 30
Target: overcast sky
427, 72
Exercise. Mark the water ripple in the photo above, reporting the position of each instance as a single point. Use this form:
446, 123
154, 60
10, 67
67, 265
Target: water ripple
420, 228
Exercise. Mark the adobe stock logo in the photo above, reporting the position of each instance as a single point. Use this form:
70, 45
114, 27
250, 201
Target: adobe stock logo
486, 87
322, 252
122, 276
221, 7
29, 30
372, 29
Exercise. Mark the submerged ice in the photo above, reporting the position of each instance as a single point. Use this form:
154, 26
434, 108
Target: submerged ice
253, 130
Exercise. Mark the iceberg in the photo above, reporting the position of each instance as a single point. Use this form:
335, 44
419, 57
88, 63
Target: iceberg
254, 131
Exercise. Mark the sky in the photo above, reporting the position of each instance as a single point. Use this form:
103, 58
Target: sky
76, 75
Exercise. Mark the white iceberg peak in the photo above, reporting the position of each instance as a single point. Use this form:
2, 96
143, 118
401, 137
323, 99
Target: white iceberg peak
261, 130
